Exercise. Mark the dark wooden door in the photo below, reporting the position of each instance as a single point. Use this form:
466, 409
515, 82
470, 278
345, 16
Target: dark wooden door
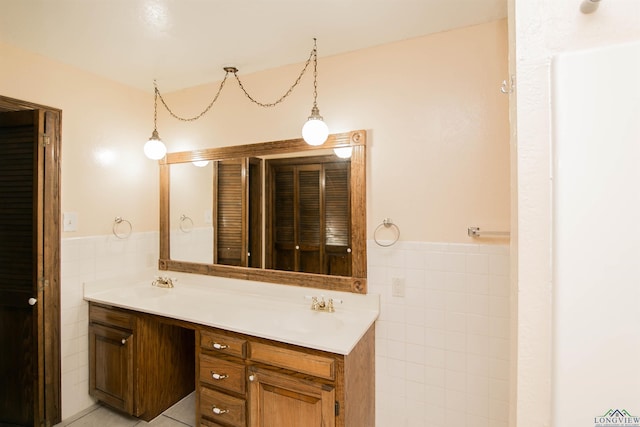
29, 261
20, 313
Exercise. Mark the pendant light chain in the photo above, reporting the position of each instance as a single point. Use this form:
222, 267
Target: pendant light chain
194, 118
155, 106
314, 52
283, 97
312, 56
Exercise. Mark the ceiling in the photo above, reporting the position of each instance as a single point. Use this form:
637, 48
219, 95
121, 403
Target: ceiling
183, 43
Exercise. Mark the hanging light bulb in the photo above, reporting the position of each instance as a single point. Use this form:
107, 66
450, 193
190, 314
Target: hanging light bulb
315, 130
343, 152
155, 148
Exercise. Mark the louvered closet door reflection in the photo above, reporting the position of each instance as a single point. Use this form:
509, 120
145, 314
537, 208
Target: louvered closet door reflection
229, 231
310, 219
284, 214
337, 219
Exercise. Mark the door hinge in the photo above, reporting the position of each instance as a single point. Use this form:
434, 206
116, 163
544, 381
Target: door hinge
46, 140
337, 408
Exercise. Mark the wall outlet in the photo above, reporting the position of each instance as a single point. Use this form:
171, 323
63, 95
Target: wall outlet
397, 286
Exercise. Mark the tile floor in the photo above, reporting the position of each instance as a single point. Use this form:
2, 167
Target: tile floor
181, 414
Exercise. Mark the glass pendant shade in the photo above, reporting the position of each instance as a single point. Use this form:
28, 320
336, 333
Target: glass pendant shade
315, 131
154, 148
343, 152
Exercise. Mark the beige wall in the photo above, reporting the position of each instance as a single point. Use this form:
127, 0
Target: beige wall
104, 125
438, 158
437, 123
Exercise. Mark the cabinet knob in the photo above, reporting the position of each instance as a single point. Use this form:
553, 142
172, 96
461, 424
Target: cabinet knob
252, 377
218, 411
297, 247
124, 341
219, 346
32, 301
218, 376
348, 250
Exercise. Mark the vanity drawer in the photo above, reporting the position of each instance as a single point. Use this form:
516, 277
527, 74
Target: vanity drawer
319, 366
223, 344
111, 317
222, 408
207, 423
222, 373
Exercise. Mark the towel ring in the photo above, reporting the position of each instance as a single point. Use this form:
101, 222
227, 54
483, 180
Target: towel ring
116, 224
386, 223
186, 224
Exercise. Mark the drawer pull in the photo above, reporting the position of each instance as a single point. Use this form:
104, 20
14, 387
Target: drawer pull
218, 376
124, 341
252, 378
218, 346
218, 411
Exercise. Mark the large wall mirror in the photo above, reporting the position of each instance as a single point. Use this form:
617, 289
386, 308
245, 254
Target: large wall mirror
280, 212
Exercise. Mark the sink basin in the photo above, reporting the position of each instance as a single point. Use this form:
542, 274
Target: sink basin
306, 322
145, 292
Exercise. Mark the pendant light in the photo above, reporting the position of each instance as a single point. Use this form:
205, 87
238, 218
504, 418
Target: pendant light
315, 130
155, 148
343, 152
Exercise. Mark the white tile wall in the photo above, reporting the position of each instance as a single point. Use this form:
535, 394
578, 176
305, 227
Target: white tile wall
442, 349
86, 259
194, 245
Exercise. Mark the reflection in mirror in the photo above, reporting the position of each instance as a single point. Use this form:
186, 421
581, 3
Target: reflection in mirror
191, 195
237, 212
308, 215
322, 245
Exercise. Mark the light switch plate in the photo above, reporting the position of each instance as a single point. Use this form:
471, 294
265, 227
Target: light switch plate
70, 221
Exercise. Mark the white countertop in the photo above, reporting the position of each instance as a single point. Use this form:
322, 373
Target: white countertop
276, 312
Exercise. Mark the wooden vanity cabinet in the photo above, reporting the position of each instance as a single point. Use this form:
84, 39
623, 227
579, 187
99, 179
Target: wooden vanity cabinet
142, 364
111, 366
138, 363
246, 381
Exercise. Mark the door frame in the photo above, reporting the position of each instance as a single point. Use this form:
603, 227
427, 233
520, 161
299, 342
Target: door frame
49, 410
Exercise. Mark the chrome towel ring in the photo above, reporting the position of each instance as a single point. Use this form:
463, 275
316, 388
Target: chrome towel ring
186, 224
386, 223
117, 223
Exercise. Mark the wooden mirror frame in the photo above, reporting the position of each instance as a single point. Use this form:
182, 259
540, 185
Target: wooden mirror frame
356, 283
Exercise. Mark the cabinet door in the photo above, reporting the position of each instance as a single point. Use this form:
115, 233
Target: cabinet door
280, 400
111, 366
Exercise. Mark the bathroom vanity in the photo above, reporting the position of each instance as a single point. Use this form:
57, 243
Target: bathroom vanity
256, 354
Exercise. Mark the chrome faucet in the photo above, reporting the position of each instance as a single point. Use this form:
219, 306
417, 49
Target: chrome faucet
163, 282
